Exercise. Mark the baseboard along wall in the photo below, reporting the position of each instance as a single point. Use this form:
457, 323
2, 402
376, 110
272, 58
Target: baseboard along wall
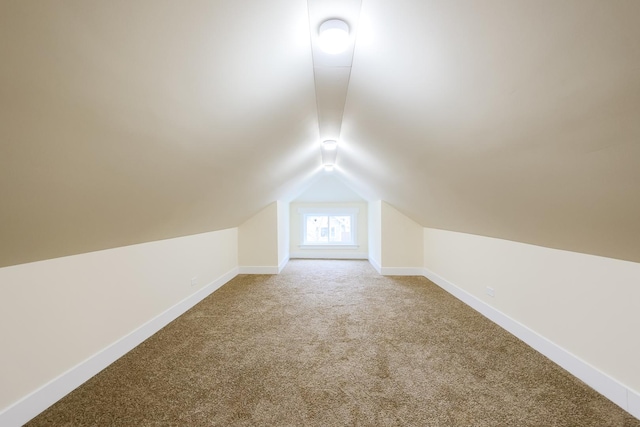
34, 403
402, 271
263, 269
633, 400
266, 269
618, 393
375, 265
283, 264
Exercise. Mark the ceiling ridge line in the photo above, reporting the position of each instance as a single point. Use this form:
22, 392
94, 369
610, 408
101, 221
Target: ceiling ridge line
332, 70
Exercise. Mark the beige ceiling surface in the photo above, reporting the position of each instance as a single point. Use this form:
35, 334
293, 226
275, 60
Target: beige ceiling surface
512, 119
130, 121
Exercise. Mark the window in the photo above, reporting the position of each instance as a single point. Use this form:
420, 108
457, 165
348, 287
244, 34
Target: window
328, 227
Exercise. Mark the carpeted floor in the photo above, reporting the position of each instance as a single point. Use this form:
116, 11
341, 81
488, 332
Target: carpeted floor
332, 343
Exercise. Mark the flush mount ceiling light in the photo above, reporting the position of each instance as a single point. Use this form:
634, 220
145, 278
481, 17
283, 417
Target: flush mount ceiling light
333, 36
330, 144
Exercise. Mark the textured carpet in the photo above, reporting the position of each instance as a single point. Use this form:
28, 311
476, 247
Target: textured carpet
332, 343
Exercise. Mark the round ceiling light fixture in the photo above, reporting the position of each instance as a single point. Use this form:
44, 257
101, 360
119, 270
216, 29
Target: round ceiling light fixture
333, 36
330, 144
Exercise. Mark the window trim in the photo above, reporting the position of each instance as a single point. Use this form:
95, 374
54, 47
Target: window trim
352, 212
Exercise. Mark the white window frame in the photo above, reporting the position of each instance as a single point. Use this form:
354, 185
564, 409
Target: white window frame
351, 212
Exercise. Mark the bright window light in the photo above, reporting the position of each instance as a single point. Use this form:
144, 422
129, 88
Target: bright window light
328, 227
333, 36
328, 167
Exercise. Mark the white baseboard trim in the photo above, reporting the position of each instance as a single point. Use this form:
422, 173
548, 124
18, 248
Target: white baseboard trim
328, 255
618, 393
283, 264
402, 271
633, 399
375, 265
37, 401
247, 269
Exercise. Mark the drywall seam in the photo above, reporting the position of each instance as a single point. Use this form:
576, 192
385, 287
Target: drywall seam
247, 269
375, 265
402, 271
329, 255
599, 381
34, 403
283, 264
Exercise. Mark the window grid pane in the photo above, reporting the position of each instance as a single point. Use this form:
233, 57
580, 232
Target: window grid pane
317, 227
340, 227
328, 229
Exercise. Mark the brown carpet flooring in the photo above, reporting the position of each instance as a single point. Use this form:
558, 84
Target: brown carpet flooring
332, 343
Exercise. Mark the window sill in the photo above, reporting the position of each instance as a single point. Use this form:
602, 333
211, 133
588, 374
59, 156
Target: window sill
328, 246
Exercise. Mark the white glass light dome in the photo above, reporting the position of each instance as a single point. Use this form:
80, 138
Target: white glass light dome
330, 144
333, 36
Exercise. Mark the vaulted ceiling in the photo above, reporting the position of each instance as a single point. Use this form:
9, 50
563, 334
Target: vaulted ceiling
130, 121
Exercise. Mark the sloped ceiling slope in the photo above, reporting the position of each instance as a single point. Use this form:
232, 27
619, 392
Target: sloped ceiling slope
123, 122
130, 121
512, 119
328, 188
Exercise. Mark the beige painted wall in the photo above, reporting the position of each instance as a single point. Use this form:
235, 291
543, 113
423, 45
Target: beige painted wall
283, 232
362, 238
56, 313
258, 239
586, 304
375, 233
401, 239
